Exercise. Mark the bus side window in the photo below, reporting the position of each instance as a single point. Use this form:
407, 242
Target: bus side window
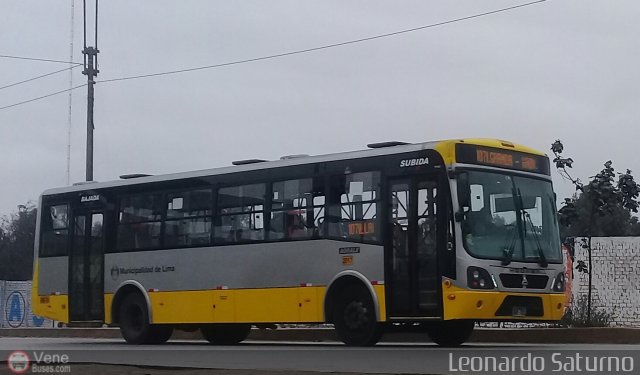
188, 220
240, 213
297, 208
139, 221
55, 230
353, 206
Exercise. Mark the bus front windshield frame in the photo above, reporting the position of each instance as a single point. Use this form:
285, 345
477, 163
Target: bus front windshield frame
510, 217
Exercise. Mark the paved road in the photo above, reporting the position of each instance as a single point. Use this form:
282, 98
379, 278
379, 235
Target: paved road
324, 357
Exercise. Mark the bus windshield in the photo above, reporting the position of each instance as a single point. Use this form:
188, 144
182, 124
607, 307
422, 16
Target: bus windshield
511, 218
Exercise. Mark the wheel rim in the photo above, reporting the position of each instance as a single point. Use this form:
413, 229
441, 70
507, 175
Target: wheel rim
355, 315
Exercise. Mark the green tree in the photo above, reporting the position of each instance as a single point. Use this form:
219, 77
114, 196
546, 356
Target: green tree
603, 207
17, 233
574, 221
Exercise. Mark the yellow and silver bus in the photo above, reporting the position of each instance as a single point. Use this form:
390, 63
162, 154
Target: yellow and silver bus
428, 236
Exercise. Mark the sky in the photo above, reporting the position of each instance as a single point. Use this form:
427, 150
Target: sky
564, 70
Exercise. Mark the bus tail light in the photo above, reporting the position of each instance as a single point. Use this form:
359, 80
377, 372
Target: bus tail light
559, 283
479, 278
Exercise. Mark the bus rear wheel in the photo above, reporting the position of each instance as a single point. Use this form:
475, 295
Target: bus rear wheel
450, 333
134, 322
354, 318
225, 334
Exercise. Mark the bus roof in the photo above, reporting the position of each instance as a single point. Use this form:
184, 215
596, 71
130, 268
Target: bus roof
446, 148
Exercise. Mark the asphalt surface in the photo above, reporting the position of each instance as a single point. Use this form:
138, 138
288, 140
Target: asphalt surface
385, 358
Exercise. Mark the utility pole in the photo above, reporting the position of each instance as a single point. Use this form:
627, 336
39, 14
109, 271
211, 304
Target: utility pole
91, 71
70, 97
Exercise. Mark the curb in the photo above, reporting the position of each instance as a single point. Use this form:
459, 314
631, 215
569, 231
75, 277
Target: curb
484, 335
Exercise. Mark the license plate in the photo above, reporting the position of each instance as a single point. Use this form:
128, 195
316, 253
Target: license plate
519, 311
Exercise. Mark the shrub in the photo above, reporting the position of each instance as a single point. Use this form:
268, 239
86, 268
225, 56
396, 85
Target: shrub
576, 315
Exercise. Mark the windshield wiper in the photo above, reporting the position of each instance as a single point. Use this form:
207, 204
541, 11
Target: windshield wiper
523, 215
541, 256
521, 229
507, 252
509, 246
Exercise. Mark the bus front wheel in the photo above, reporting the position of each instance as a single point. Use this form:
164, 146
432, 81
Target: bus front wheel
450, 333
134, 322
160, 333
354, 318
225, 334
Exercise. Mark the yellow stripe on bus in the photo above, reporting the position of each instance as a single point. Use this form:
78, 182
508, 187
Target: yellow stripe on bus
269, 305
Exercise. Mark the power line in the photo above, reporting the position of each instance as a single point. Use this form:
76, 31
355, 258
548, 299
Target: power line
42, 97
36, 59
270, 56
321, 47
40, 76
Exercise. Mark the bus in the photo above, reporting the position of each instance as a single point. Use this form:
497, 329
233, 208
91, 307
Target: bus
430, 237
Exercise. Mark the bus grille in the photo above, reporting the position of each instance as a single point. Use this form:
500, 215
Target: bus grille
521, 306
516, 280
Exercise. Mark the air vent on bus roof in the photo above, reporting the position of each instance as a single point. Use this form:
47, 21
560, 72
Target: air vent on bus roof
386, 144
134, 175
84, 183
296, 156
247, 161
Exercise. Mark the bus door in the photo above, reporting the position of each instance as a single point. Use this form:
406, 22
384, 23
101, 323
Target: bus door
86, 267
413, 282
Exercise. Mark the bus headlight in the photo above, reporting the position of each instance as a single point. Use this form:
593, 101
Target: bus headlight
559, 283
479, 278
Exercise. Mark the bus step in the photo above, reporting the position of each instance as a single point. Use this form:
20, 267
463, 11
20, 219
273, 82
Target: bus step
429, 295
86, 324
428, 305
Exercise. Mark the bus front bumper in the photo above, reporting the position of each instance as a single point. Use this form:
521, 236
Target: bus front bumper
462, 303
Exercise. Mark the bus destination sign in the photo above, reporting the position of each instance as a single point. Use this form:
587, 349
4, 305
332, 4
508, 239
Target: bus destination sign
481, 155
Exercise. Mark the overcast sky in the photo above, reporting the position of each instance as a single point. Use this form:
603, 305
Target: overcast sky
560, 69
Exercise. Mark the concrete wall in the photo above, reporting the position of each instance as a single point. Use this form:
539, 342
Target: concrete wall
616, 277
15, 306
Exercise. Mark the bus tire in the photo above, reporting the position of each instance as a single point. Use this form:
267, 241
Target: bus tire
134, 322
450, 333
225, 334
354, 317
160, 333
